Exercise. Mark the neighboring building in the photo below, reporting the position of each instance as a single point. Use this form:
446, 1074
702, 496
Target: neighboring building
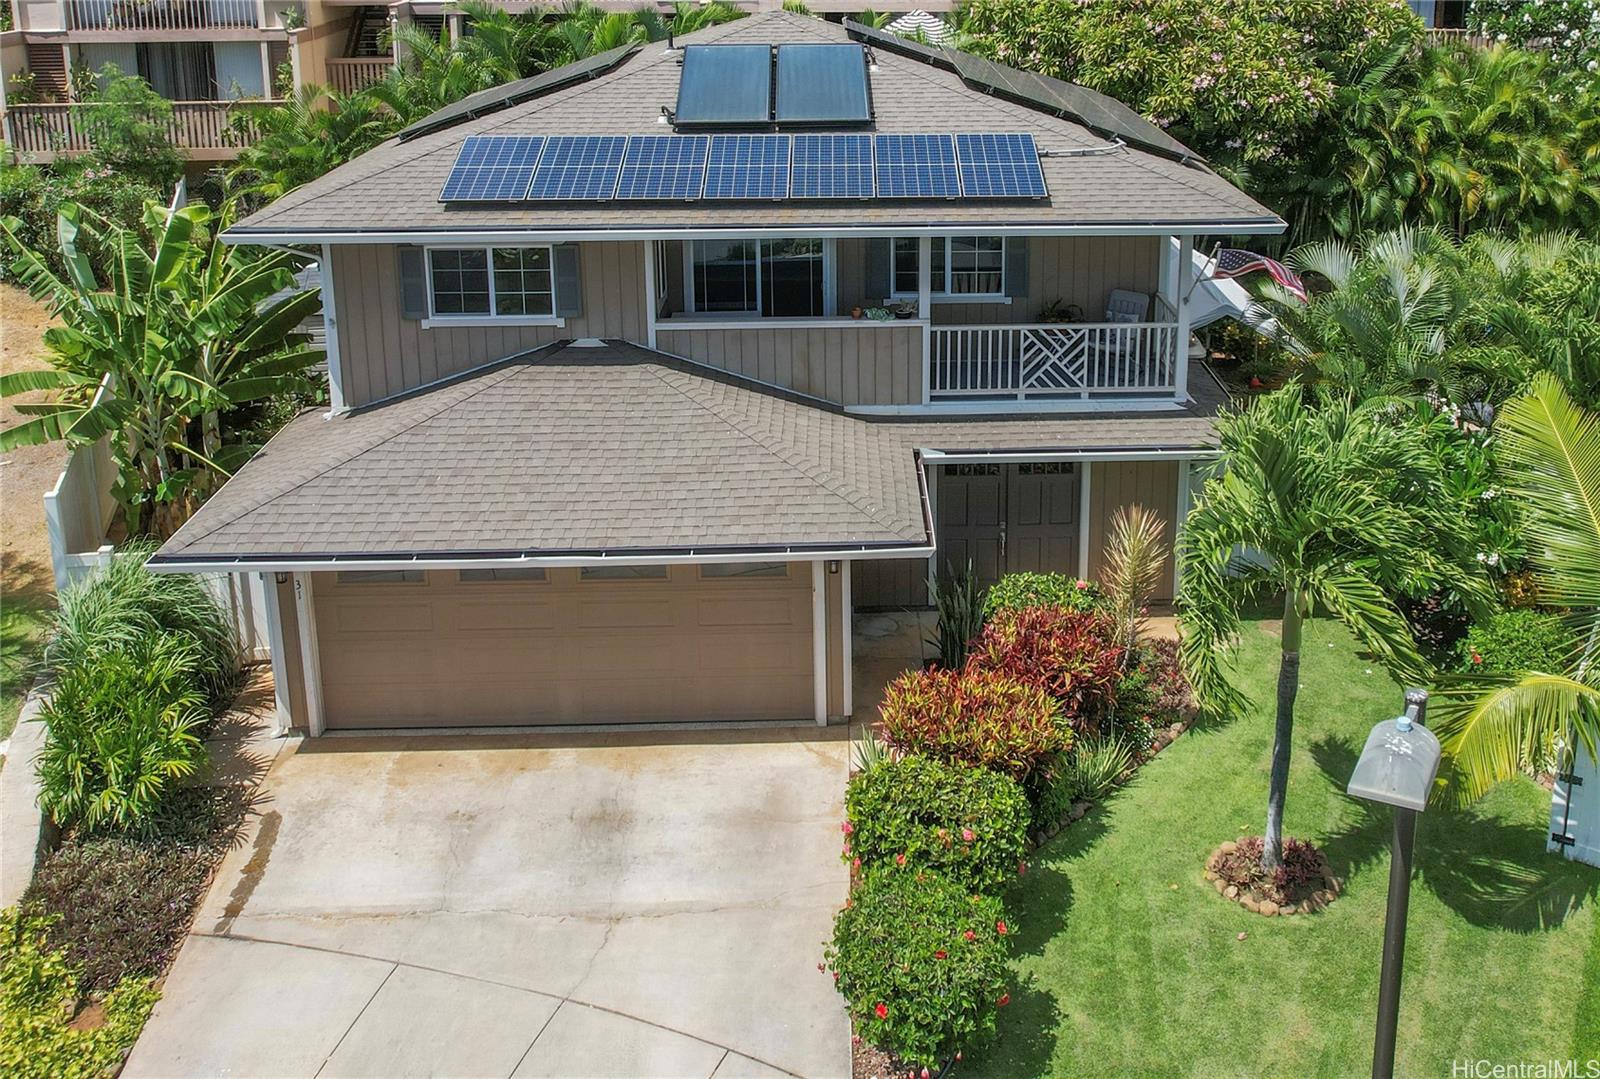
205, 55
616, 448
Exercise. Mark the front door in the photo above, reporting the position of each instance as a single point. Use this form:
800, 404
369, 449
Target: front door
1008, 518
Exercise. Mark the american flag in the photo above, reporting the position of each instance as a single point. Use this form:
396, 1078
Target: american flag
1232, 262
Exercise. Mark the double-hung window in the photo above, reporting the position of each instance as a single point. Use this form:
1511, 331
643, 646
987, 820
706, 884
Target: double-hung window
967, 266
492, 282
771, 278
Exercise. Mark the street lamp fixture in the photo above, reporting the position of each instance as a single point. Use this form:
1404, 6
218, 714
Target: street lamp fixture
1397, 768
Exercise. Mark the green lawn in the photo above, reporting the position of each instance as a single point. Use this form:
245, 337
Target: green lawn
24, 620
1128, 961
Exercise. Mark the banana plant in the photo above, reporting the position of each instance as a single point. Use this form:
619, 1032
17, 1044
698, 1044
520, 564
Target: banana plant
157, 353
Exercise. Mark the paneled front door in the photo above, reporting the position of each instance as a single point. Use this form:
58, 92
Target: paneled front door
1008, 518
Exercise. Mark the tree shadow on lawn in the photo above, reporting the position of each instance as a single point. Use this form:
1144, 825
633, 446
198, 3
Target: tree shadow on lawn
1492, 872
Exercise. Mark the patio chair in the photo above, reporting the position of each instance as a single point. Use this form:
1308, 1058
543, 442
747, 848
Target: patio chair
1117, 359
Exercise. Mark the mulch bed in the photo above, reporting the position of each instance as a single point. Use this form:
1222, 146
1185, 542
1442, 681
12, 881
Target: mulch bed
1234, 869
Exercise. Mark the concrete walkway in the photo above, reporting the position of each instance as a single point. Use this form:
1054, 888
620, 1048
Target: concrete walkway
631, 904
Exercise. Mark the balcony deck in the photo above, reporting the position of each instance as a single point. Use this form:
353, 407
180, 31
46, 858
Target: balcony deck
39, 134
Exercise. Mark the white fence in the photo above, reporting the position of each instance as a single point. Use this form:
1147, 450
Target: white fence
77, 511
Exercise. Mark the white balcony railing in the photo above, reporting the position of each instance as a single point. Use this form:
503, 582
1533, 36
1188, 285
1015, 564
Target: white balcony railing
161, 14
1058, 360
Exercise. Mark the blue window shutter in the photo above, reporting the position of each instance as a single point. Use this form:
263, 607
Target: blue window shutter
413, 283
569, 281
1016, 266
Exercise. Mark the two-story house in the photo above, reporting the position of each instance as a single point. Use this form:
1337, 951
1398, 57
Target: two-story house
647, 375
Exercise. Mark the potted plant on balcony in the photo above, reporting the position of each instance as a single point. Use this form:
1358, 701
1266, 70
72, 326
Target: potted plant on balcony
1058, 310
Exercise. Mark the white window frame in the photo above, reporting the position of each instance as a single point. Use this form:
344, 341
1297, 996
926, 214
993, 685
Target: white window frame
941, 288
435, 319
830, 299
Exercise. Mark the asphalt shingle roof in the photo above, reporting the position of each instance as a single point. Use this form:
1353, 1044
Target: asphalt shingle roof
575, 450
395, 186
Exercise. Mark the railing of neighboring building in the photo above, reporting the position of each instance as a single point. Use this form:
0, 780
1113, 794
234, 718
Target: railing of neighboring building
347, 74
161, 14
43, 132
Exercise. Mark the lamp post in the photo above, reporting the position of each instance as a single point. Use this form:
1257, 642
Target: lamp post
1396, 768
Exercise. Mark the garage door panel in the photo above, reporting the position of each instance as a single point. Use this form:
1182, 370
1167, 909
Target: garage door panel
743, 611
482, 615
565, 650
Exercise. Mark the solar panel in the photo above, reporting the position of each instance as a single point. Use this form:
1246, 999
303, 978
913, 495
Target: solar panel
663, 167
1000, 166
823, 84
832, 167
748, 167
1094, 110
578, 167
725, 84
889, 41
916, 167
512, 93
492, 168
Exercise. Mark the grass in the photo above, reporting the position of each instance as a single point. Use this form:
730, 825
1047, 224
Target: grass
24, 622
1129, 963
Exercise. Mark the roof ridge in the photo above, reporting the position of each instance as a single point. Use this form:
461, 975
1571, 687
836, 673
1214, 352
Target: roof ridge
790, 454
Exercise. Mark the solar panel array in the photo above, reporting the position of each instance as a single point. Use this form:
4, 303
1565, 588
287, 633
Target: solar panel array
512, 168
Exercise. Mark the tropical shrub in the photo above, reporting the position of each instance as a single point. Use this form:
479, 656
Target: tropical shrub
969, 824
124, 904
977, 717
122, 604
1515, 641
1070, 655
120, 731
1299, 872
129, 125
958, 604
1015, 591
1087, 772
921, 962
38, 999
1135, 553
34, 195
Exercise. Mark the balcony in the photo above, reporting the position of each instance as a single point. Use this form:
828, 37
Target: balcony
42, 133
1056, 361
164, 16
347, 74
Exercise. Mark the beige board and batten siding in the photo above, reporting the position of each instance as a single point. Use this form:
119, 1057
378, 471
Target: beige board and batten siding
1114, 485
868, 364
382, 354
902, 582
447, 652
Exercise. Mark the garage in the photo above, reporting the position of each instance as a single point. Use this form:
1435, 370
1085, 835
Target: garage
565, 645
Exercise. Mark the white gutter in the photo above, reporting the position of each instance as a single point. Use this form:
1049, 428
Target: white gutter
548, 235
935, 457
282, 564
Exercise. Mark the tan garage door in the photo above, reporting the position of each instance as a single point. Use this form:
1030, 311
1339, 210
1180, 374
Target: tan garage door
459, 648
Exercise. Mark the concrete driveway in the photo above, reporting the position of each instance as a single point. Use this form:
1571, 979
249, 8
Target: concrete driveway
630, 904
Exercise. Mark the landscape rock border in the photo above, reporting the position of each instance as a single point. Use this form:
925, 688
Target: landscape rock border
1255, 903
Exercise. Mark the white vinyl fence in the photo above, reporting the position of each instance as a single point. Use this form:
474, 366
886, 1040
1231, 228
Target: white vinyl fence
79, 508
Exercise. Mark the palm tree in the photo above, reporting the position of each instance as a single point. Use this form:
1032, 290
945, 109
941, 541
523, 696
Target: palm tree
1550, 450
1336, 509
313, 132
156, 355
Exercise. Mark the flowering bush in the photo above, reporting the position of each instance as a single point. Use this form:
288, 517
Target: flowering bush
977, 717
1015, 591
1511, 642
921, 963
969, 824
1569, 30
1068, 654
